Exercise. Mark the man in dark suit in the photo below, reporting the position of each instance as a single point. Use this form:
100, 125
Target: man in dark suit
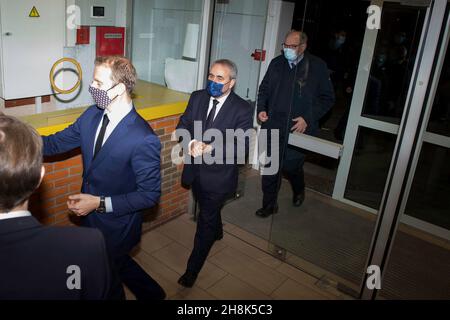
295, 94
37, 262
121, 168
214, 110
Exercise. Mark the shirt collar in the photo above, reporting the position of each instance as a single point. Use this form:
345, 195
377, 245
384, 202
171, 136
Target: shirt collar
298, 60
14, 214
221, 100
119, 112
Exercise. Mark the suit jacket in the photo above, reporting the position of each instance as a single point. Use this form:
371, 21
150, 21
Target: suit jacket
236, 113
127, 169
34, 262
280, 89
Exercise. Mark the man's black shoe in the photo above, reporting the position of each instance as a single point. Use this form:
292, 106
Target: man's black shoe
187, 279
298, 199
265, 212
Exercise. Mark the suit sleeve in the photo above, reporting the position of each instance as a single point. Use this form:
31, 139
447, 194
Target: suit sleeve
63, 141
245, 122
325, 96
186, 120
146, 165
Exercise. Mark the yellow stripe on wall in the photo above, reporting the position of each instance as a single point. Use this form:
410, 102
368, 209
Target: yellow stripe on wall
152, 113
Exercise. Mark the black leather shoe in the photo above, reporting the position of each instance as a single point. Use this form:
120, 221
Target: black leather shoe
187, 279
265, 212
298, 199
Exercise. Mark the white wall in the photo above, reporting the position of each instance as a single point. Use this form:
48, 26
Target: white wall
238, 30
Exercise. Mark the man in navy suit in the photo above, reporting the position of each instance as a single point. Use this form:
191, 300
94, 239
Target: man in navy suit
216, 109
38, 262
295, 94
121, 168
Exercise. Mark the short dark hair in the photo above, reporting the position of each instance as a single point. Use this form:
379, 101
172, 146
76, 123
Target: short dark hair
122, 70
20, 162
230, 65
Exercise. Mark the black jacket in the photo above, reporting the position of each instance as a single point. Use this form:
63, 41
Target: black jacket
34, 262
304, 91
236, 113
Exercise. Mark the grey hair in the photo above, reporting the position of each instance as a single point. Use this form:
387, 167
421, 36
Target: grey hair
230, 65
303, 36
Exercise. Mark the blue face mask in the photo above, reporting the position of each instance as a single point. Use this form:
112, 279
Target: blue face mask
290, 54
214, 88
340, 41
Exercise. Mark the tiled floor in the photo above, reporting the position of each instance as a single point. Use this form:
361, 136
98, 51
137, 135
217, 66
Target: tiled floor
234, 270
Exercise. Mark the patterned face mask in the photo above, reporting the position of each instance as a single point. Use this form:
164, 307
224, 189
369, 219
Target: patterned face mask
101, 96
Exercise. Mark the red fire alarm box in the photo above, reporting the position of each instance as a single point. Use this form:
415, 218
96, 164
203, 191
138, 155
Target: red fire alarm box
110, 41
259, 55
83, 35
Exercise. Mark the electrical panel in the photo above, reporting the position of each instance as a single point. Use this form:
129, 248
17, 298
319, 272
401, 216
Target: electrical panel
97, 12
31, 41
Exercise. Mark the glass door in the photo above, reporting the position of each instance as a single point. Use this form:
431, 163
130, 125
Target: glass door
332, 239
419, 263
384, 77
238, 35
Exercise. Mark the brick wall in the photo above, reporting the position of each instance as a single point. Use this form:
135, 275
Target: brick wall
63, 178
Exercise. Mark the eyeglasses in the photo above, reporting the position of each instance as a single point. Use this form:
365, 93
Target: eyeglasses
292, 46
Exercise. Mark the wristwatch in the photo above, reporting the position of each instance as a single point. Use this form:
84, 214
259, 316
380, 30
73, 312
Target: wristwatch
102, 207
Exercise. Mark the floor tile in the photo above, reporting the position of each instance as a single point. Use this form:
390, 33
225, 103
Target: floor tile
249, 270
232, 288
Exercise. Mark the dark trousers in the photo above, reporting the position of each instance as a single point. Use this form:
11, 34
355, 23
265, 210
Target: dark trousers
209, 225
137, 280
292, 169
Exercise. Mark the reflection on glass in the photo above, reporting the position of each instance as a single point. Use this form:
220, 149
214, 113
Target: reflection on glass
439, 122
370, 166
393, 62
165, 42
429, 198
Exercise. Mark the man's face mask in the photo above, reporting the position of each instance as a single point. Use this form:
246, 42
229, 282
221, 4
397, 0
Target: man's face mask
100, 96
215, 89
290, 54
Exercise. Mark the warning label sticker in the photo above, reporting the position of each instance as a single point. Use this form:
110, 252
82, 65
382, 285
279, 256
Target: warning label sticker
34, 13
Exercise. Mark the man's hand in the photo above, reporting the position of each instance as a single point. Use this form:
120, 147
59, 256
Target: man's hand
263, 117
196, 148
300, 126
83, 204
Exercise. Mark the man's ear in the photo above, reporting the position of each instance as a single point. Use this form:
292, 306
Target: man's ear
232, 83
42, 176
122, 89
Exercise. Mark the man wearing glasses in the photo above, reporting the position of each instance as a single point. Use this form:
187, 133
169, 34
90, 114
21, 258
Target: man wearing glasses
295, 94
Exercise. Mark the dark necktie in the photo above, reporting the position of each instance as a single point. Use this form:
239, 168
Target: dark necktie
101, 135
212, 113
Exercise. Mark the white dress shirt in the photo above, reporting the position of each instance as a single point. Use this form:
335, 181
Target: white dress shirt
15, 214
218, 107
115, 116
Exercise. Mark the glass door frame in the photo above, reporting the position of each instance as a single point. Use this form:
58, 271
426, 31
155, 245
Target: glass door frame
357, 120
389, 215
428, 137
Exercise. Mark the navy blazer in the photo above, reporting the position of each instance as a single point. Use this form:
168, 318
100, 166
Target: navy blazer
127, 169
34, 262
312, 102
236, 113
